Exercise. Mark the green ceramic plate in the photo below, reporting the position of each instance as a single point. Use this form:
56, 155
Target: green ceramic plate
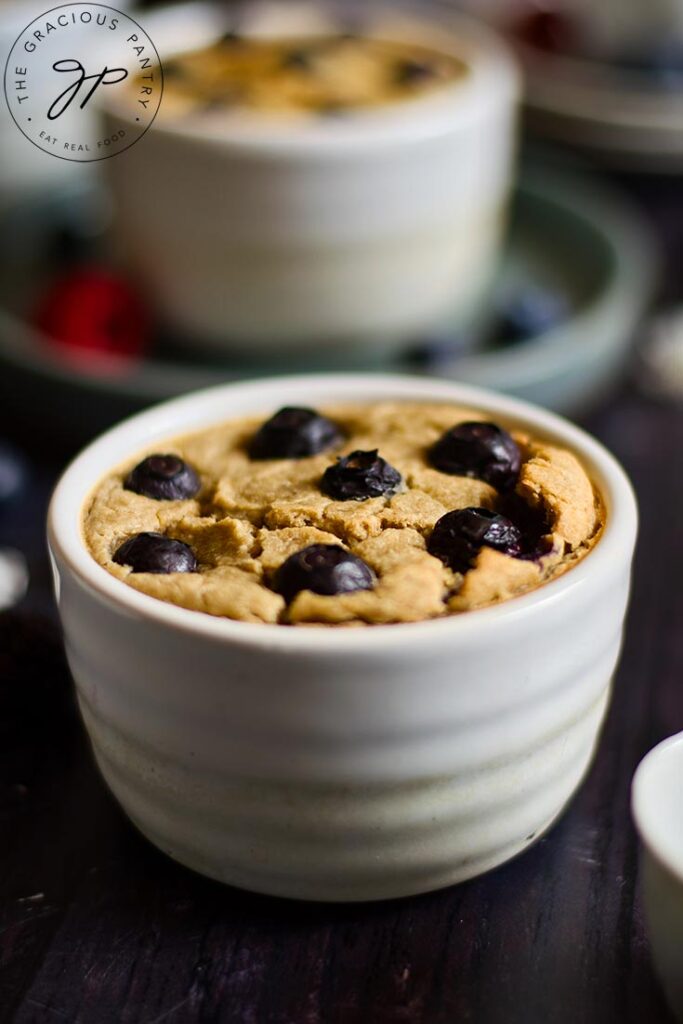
567, 232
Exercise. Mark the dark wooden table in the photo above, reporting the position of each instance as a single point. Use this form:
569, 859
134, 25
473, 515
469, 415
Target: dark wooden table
96, 927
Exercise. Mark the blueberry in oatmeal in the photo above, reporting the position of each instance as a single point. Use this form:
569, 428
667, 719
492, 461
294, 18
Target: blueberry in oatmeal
529, 314
409, 72
325, 569
294, 433
360, 475
298, 60
480, 450
164, 477
458, 536
155, 553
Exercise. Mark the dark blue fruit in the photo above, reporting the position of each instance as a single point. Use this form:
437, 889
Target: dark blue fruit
662, 60
458, 536
294, 433
298, 60
153, 552
479, 450
534, 525
529, 314
164, 477
438, 351
360, 475
413, 72
325, 569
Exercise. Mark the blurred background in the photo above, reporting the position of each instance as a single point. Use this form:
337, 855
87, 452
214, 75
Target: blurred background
497, 201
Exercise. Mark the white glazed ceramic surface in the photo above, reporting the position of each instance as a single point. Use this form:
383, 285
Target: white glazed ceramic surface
658, 813
330, 763
24, 168
304, 234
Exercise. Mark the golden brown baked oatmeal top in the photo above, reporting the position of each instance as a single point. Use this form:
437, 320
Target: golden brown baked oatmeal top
319, 74
355, 515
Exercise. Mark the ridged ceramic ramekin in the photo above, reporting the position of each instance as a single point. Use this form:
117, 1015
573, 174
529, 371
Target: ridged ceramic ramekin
301, 235
336, 764
657, 804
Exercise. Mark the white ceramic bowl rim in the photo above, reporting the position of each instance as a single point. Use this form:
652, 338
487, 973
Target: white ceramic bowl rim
187, 414
651, 802
494, 75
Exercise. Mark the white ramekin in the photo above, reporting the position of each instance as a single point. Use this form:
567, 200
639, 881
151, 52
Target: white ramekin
335, 764
657, 803
307, 235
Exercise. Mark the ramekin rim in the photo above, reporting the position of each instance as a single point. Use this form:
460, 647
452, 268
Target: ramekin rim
66, 505
646, 824
498, 63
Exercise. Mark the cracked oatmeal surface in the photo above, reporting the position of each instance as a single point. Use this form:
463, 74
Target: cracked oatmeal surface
249, 516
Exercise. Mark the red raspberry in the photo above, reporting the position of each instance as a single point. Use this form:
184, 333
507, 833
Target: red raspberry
92, 311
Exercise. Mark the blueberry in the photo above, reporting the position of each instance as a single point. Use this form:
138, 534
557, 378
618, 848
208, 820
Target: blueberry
413, 72
297, 60
533, 524
360, 475
164, 477
439, 351
324, 569
662, 60
153, 552
294, 433
480, 450
458, 536
529, 314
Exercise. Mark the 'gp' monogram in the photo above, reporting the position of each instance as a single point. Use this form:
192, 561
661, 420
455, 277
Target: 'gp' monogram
68, 96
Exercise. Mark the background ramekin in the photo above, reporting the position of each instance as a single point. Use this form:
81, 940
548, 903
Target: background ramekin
657, 802
335, 764
359, 231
